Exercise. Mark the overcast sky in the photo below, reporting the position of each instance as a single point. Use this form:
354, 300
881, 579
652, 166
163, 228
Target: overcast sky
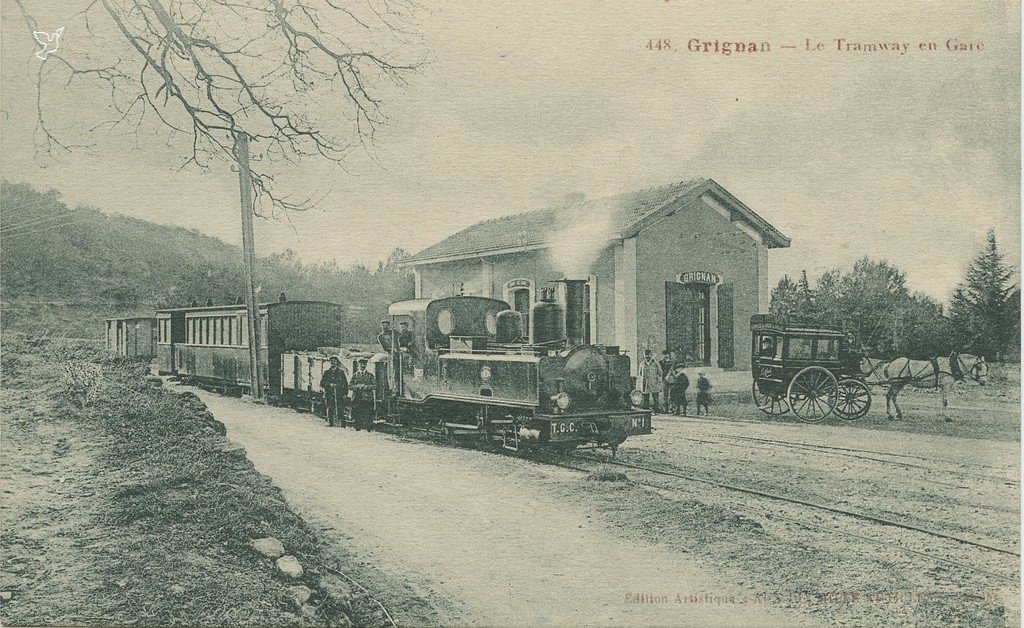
906, 157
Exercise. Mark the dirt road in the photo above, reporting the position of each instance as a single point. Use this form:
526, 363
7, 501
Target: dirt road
456, 536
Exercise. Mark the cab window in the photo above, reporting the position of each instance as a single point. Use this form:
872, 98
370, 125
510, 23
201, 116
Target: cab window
767, 346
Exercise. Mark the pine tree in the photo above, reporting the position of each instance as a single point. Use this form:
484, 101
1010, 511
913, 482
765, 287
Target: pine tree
984, 310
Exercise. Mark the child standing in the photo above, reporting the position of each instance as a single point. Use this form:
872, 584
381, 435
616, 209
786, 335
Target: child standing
703, 394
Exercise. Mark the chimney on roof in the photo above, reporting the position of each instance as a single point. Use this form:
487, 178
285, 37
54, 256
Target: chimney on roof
283, 298
209, 302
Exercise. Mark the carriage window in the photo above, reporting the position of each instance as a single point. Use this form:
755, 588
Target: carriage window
767, 346
801, 348
827, 349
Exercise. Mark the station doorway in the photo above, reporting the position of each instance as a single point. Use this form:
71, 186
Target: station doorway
688, 321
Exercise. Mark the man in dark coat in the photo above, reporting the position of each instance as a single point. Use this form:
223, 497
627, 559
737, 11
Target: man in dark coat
405, 337
385, 337
363, 384
666, 362
335, 386
678, 383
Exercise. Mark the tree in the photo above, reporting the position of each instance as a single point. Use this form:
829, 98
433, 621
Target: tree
985, 308
227, 75
297, 78
872, 303
784, 298
874, 298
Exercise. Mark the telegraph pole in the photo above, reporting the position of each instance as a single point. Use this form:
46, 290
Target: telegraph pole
248, 249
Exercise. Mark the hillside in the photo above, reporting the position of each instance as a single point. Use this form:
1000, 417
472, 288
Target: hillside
63, 270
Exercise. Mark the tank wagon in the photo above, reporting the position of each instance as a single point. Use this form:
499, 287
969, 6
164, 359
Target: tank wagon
210, 345
466, 370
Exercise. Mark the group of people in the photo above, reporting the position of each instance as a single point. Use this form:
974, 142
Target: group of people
354, 397
340, 392
668, 377
389, 339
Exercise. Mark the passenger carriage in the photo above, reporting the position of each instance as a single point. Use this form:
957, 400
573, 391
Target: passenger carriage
811, 371
210, 345
133, 337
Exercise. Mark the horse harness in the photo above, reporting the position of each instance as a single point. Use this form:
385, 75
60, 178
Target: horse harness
904, 376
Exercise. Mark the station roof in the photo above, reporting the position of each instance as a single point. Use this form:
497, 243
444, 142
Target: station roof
626, 214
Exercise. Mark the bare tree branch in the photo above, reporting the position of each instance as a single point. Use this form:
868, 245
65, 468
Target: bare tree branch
298, 77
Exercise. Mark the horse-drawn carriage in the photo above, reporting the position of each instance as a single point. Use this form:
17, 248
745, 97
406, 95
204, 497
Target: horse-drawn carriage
811, 371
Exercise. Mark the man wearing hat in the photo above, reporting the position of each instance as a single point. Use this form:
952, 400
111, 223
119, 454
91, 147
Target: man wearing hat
385, 336
363, 385
650, 381
405, 340
335, 387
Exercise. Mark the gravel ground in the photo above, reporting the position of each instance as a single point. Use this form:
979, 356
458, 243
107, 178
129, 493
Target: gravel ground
957, 486
455, 536
451, 536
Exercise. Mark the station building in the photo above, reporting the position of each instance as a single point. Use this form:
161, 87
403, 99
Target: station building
682, 267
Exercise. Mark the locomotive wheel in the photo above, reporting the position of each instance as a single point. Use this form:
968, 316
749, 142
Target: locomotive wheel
813, 394
772, 405
854, 399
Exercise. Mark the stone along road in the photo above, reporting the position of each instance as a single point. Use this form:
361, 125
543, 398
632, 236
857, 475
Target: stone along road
457, 536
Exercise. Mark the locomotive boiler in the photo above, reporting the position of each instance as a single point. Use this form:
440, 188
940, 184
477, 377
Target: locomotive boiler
466, 370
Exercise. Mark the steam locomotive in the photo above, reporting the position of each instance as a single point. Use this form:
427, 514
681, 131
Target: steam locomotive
466, 370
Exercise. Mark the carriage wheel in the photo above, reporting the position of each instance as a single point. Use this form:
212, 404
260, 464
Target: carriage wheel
854, 399
813, 394
770, 404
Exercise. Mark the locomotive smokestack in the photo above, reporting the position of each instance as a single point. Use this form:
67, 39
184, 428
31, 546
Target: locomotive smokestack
577, 312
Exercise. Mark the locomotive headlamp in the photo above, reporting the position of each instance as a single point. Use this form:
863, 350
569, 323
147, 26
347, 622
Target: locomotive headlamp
485, 373
562, 400
636, 398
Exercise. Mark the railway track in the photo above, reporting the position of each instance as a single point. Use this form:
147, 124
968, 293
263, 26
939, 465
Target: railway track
848, 453
840, 512
851, 452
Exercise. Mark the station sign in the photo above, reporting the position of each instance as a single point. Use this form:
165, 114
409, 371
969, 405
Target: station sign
699, 276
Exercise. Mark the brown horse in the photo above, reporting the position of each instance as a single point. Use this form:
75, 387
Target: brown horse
941, 373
